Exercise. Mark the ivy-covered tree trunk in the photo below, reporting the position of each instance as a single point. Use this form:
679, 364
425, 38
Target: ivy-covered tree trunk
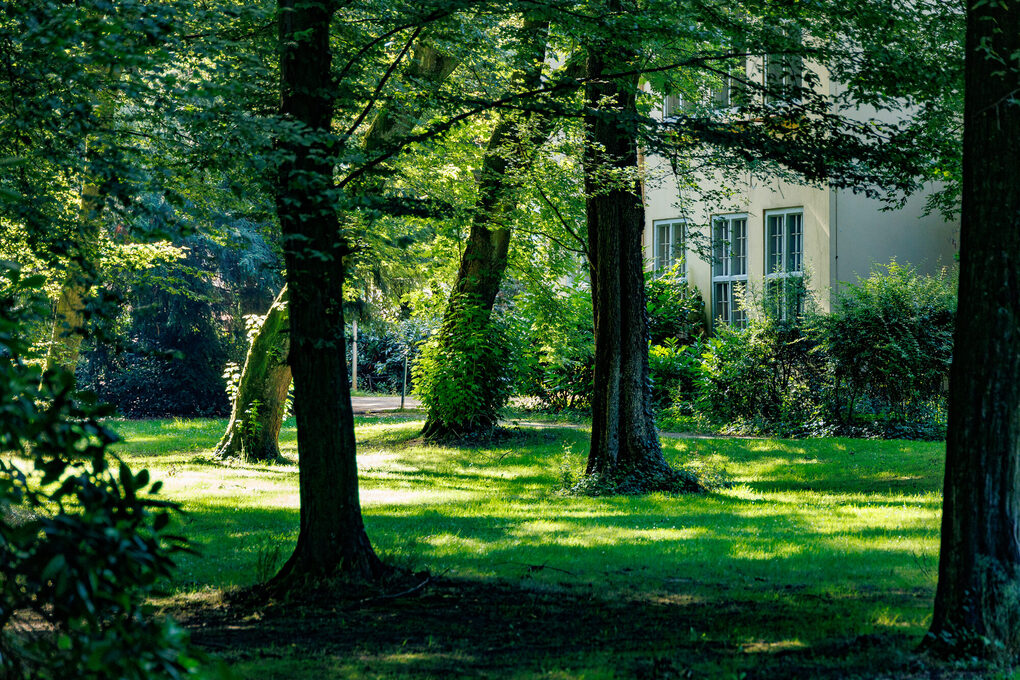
625, 454
257, 414
332, 541
266, 374
977, 603
467, 373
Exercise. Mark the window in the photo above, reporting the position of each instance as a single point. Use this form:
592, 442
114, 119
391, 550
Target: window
672, 104
729, 268
784, 73
784, 262
733, 91
669, 245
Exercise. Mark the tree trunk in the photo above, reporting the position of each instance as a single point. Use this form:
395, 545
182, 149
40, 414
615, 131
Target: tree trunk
483, 263
625, 454
978, 595
69, 311
332, 542
257, 414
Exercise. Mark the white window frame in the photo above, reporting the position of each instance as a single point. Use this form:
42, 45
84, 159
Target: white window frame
676, 230
784, 258
729, 268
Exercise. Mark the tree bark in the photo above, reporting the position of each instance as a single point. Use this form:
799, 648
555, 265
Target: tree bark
332, 543
483, 263
257, 414
625, 454
978, 593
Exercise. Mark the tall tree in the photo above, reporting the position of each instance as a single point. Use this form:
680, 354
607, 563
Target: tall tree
253, 431
978, 595
465, 377
625, 452
332, 539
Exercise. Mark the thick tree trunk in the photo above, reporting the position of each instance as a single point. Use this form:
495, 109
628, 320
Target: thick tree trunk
978, 596
257, 414
332, 542
625, 454
484, 260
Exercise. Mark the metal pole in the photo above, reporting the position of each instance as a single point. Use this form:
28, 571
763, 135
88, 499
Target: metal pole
354, 359
403, 388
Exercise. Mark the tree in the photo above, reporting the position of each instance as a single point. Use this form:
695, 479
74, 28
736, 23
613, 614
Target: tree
257, 413
463, 381
258, 405
332, 539
625, 452
977, 603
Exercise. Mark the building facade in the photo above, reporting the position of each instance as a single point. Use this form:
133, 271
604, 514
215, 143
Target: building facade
779, 235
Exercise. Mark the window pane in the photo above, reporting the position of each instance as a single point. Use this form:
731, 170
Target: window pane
722, 302
795, 242
719, 248
774, 244
677, 242
738, 235
661, 247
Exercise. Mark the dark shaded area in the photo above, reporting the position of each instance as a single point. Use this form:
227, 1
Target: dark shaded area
461, 628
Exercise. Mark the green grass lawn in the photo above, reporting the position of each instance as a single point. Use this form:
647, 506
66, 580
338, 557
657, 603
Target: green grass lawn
818, 545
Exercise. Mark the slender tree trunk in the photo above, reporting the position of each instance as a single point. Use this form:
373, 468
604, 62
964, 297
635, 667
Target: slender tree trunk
268, 374
257, 414
332, 541
978, 595
69, 311
484, 260
625, 454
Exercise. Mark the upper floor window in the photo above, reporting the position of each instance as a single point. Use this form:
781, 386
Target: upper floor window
669, 245
784, 73
733, 90
784, 262
729, 268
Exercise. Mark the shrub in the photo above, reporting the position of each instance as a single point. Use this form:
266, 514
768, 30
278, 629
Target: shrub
675, 309
764, 378
80, 544
889, 343
464, 375
674, 370
558, 366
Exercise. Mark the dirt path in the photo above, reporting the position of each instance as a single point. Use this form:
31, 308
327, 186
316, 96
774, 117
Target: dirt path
364, 405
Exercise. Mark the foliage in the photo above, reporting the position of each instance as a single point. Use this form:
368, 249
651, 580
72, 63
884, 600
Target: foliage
675, 308
762, 378
81, 544
889, 345
465, 372
675, 370
877, 365
559, 355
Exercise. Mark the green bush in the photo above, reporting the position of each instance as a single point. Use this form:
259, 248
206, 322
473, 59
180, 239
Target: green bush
674, 370
464, 374
80, 544
558, 366
889, 345
675, 309
876, 366
764, 378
